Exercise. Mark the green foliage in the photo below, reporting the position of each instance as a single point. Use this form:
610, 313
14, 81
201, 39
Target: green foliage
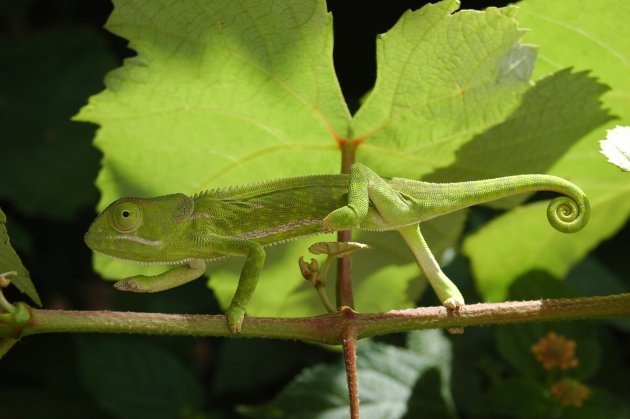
227, 92
10, 262
529, 380
587, 38
514, 342
441, 78
136, 379
582, 279
220, 81
238, 92
48, 164
395, 383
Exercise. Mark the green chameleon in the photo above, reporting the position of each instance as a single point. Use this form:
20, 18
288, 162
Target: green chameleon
240, 221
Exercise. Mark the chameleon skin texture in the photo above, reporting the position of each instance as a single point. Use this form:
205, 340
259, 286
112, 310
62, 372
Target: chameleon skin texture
174, 228
241, 220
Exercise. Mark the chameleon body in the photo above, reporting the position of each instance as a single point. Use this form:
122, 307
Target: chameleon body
240, 221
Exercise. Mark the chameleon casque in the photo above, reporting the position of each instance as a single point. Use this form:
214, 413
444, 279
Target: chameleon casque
240, 221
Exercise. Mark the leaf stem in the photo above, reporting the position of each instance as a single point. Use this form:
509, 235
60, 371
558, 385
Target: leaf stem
4, 282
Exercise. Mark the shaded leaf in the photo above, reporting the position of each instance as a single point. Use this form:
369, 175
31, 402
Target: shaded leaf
436, 350
134, 379
275, 362
389, 378
48, 163
555, 113
591, 278
10, 262
515, 398
514, 342
599, 404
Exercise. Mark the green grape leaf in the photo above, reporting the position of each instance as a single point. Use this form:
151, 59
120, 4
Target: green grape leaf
269, 101
232, 92
10, 262
442, 77
395, 383
589, 37
528, 140
237, 92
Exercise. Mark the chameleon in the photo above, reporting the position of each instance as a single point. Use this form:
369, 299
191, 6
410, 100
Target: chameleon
187, 231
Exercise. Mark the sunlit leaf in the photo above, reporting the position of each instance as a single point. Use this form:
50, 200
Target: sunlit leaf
589, 37
238, 92
442, 78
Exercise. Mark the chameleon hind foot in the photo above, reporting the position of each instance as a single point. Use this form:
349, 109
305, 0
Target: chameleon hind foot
453, 303
234, 316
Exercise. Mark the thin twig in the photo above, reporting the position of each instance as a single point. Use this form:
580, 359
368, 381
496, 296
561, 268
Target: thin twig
349, 344
4, 282
344, 264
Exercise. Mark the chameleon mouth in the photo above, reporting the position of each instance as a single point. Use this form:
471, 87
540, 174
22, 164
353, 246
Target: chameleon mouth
142, 262
138, 239
95, 238
97, 243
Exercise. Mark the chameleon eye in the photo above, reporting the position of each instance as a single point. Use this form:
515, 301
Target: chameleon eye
126, 217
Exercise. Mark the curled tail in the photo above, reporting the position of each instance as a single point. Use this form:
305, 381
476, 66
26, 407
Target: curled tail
568, 213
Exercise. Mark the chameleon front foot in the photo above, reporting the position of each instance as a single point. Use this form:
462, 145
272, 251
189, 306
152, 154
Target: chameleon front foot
164, 281
234, 316
134, 284
343, 218
453, 303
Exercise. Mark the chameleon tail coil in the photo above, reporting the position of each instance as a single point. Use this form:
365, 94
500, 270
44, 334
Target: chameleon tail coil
568, 215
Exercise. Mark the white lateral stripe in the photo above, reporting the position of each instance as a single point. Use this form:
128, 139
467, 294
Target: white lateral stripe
140, 240
265, 232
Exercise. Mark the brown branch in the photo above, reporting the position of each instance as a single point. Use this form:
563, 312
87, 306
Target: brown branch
326, 329
349, 344
344, 265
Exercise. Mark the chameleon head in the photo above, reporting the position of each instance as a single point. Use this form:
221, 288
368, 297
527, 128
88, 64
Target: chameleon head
141, 229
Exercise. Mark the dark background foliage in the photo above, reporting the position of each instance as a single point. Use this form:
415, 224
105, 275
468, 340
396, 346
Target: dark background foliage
54, 56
